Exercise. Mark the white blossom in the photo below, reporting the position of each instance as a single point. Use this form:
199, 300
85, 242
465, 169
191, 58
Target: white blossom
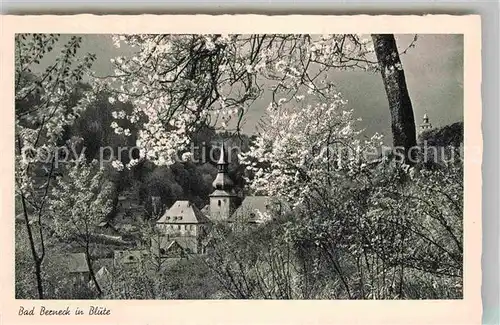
118, 165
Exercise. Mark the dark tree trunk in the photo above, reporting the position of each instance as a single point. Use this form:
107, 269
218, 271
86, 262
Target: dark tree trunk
403, 121
91, 268
38, 274
36, 259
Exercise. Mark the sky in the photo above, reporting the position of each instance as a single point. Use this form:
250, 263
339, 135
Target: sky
433, 70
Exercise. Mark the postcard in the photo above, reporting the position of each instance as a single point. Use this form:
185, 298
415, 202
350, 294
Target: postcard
241, 169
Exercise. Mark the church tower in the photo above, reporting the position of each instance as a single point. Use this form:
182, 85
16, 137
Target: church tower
426, 125
223, 199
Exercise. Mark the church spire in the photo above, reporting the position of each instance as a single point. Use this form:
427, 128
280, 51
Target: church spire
222, 181
223, 155
223, 200
426, 125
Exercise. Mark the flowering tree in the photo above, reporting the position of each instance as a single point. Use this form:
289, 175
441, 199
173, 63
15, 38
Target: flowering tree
178, 82
79, 202
43, 110
382, 229
379, 225
303, 147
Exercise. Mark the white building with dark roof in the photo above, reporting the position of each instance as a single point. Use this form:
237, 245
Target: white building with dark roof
183, 219
182, 225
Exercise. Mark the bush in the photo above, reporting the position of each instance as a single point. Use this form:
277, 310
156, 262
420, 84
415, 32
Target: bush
388, 232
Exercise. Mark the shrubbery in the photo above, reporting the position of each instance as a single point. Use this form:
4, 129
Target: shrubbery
390, 232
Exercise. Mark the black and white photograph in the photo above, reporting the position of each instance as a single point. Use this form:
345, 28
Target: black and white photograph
239, 166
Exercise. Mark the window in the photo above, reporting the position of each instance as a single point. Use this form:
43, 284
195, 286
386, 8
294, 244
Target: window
219, 203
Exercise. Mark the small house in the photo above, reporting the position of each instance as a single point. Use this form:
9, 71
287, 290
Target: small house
77, 266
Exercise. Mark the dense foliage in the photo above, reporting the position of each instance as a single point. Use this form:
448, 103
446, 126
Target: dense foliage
358, 224
363, 227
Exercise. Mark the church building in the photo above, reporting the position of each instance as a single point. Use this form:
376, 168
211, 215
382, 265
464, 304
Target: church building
185, 227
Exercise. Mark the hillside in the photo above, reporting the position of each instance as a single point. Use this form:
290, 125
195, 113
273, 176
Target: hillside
449, 135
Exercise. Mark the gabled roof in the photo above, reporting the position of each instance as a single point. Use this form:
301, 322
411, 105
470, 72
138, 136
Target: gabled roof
77, 263
103, 275
182, 212
206, 209
106, 263
173, 245
254, 203
47, 222
106, 227
222, 193
105, 223
253, 207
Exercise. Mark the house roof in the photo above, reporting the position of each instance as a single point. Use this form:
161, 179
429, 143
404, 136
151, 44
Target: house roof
47, 222
105, 227
103, 274
186, 242
254, 203
129, 256
183, 212
106, 223
103, 277
106, 263
218, 192
173, 245
77, 263
206, 209
253, 206
250, 207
